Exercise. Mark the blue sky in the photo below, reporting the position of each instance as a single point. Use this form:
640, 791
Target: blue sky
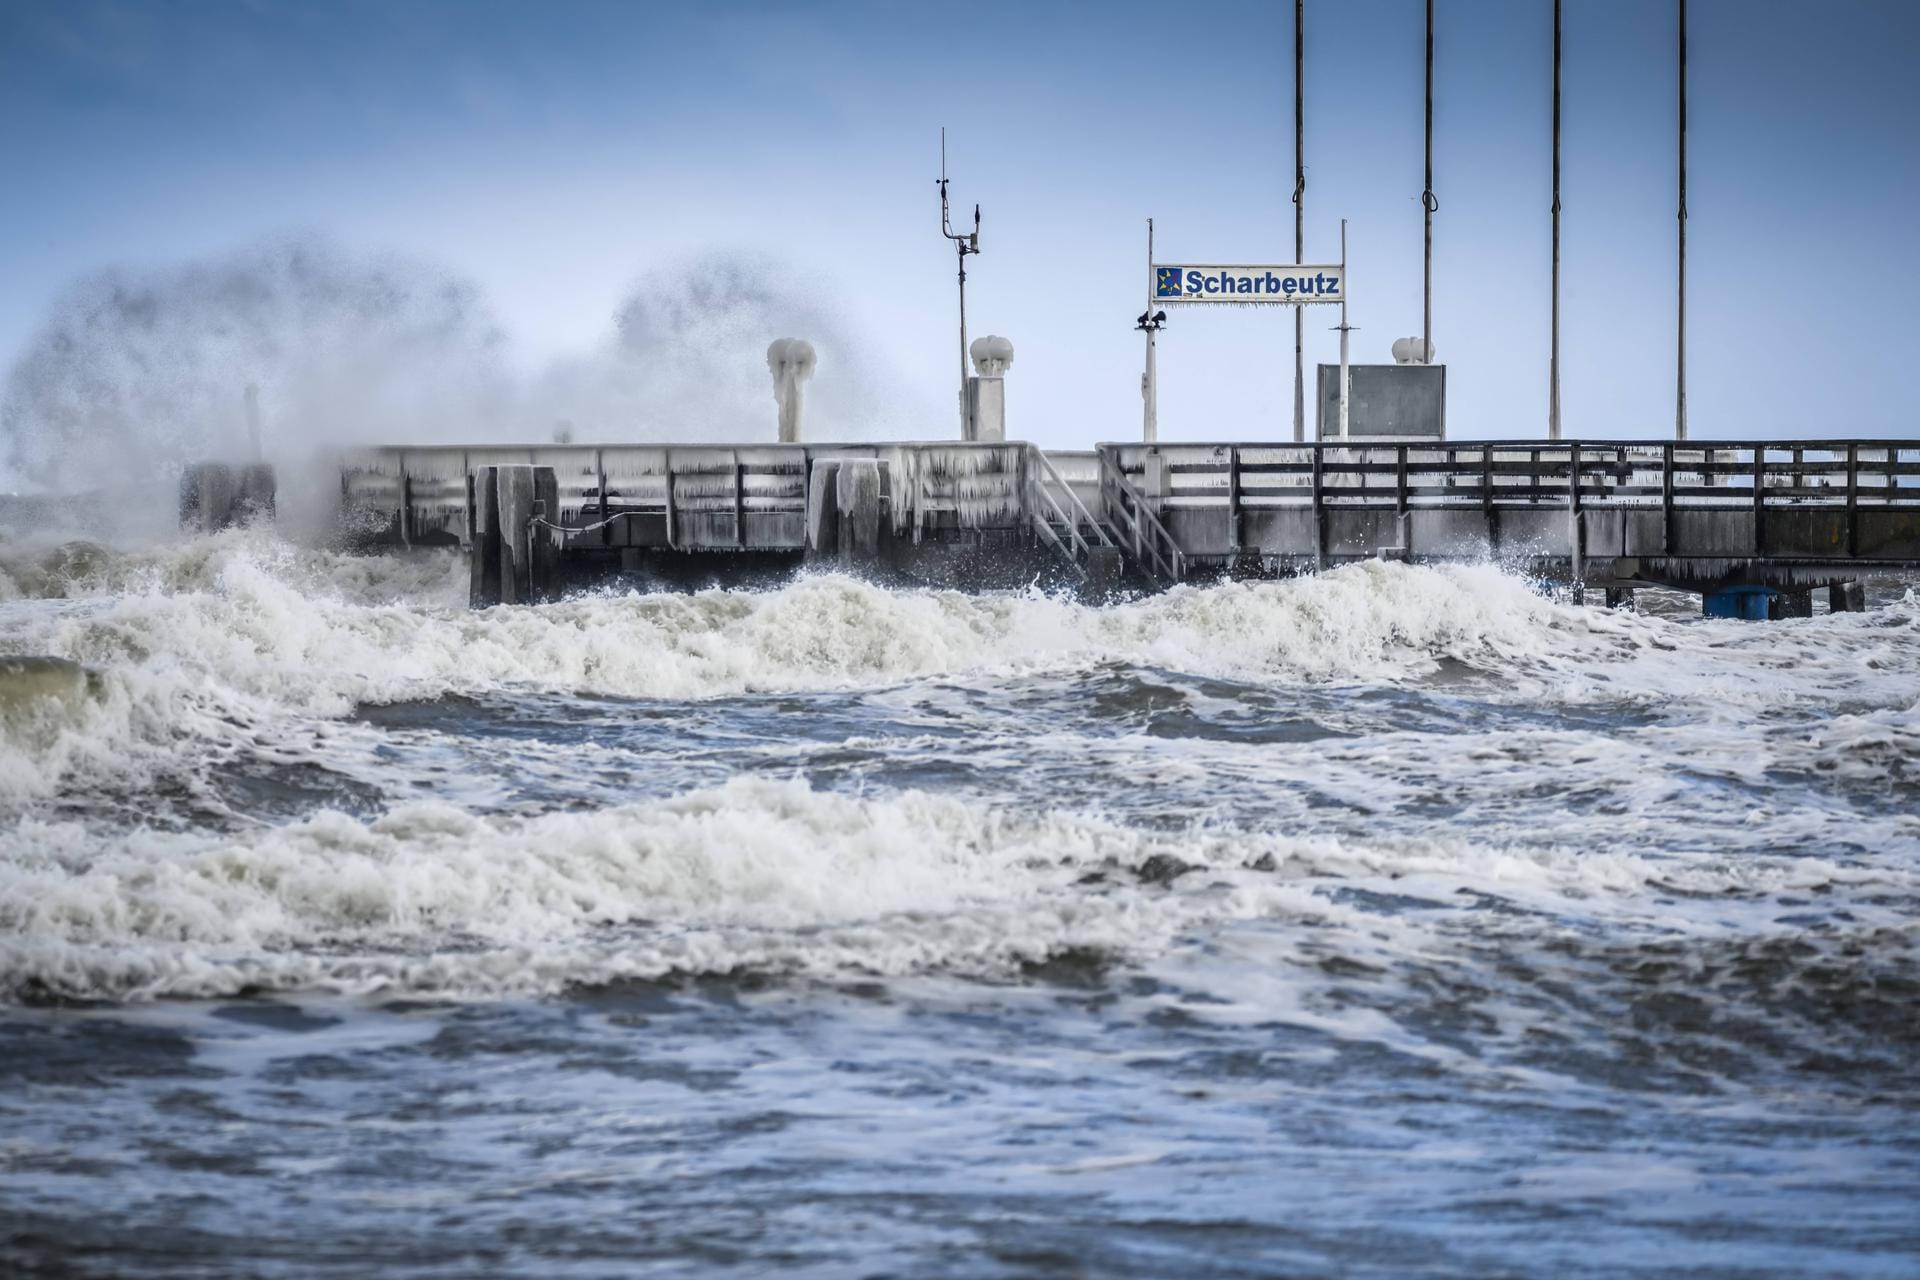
560, 155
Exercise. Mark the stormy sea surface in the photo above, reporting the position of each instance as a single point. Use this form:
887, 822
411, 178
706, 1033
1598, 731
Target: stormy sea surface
1399, 921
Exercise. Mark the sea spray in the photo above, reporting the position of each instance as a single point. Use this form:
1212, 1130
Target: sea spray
137, 372
686, 360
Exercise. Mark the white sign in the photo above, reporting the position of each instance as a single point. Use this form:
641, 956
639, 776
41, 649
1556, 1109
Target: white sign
1288, 285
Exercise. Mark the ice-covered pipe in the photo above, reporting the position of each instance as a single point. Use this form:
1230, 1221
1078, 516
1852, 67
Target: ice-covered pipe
791, 362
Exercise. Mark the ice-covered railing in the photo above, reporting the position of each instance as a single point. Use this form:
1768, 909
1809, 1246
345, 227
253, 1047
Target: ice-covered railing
1525, 473
709, 496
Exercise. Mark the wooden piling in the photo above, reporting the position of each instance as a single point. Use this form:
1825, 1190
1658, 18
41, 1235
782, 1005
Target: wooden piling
483, 533
514, 556
1846, 597
515, 488
823, 511
1576, 526
858, 502
216, 496
529, 556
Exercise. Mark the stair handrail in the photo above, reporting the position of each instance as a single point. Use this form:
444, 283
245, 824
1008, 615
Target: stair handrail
1079, 508
1149, 534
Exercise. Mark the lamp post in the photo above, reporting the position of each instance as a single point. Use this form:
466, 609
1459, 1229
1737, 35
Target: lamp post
1150, 322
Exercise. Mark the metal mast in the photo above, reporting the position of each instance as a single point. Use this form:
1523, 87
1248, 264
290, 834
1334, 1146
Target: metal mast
1150, 322
963, 245
1680, 345
1553, 360
1429, 204
1299, 219
1345, 329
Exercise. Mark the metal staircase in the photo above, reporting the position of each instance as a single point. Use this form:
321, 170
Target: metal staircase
1062, 522
1136, 528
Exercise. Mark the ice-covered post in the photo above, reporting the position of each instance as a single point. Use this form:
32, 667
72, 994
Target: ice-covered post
987, 388
791, 362
1345, 329
253, 422
216, 495
1150, 380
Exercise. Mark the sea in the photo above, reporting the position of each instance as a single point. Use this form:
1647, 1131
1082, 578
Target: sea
1397, 921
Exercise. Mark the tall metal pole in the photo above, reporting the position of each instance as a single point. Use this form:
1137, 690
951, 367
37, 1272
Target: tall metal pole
1429, 204
964, 243
1299, 219
1553, 360
1680, 345
1345, 288
964, 433
1150, 388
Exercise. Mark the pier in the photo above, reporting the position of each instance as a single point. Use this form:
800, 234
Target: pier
1754, 527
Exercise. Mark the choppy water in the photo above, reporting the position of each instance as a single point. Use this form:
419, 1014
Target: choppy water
1399, 921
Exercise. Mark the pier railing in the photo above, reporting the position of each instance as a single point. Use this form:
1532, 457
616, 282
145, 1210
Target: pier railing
1525, 473
1718, 505
1715, 504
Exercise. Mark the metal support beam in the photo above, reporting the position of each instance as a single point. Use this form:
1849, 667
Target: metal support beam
1299, 218
1680, 344
1428, 204
1553, 359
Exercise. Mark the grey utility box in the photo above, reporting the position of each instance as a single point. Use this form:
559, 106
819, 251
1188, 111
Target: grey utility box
1386, 401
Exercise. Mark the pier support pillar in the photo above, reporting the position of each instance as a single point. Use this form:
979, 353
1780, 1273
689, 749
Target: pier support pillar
513, 559
1618, 597
1791, 604
823, 511
483, 538
857, 498
216, 496
1846, 597
1577, 544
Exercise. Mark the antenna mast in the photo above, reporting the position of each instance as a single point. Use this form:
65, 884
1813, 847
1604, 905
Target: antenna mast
963, 244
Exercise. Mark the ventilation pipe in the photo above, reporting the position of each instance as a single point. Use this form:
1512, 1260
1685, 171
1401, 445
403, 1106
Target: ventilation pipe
1412, 351
986, 389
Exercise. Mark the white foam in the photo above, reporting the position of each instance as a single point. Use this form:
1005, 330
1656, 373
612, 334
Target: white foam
759, 874
428, 897
204, 641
